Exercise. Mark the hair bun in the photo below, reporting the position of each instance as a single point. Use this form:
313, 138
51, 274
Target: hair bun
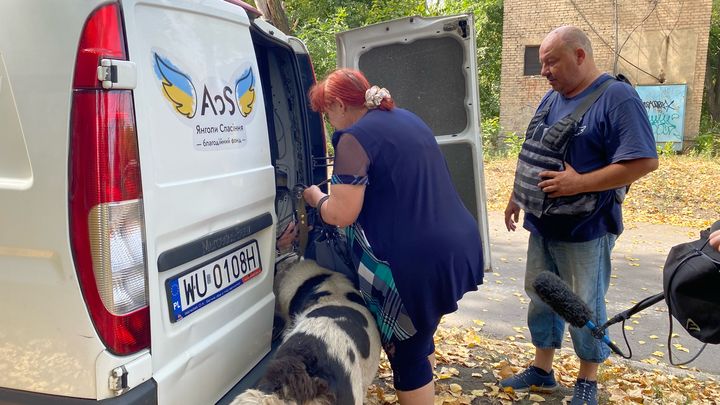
375, 95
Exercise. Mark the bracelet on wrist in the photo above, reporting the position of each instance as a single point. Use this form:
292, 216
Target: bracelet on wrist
318, 207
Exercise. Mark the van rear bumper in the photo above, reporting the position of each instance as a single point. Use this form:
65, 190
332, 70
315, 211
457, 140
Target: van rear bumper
143, 394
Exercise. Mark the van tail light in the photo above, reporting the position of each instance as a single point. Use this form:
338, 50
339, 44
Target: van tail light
107, 227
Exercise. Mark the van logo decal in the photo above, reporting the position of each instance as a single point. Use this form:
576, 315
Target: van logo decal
245, 91
177, 86
217, 107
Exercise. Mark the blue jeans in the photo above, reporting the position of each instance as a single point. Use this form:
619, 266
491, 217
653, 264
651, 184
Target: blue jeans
585, 267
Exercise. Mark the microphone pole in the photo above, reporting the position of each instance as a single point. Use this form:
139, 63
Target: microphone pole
625, 315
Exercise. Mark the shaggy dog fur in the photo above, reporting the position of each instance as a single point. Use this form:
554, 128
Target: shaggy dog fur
331, 349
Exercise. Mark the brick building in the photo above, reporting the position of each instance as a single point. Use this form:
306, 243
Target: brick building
660, 42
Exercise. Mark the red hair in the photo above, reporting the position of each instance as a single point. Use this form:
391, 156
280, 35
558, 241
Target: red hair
343, 84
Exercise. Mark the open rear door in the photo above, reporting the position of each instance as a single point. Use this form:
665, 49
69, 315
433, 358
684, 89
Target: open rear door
429, 66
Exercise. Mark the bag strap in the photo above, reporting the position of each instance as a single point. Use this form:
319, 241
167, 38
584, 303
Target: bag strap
302, 218
590, 99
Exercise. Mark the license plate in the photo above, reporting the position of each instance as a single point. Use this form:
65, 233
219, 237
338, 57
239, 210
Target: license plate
209, 281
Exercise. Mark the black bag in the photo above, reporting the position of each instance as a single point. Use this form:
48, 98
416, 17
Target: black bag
332, 250
691, 281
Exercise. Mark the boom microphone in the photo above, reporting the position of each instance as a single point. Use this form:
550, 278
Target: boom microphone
556, 293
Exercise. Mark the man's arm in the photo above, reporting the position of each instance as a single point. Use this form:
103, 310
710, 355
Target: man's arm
615, 175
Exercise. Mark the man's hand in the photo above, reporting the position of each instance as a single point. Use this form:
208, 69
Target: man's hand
512, 215
715, 240
612, 176
558, 184
287, 238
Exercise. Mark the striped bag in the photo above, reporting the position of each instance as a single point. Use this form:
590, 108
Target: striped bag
378, 289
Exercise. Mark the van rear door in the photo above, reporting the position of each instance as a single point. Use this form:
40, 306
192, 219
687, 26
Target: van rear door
429, 66
209, 190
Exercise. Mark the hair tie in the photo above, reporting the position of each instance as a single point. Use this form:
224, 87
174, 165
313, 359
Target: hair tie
374, 96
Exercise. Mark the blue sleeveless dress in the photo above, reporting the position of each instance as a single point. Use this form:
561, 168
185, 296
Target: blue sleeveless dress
412, 215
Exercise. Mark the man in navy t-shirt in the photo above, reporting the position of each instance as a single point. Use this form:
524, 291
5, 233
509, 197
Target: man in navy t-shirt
612, 146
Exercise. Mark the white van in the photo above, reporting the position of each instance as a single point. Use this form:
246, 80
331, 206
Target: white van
148, 149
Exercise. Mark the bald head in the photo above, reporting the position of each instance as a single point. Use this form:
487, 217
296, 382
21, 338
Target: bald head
567, 60
573, 38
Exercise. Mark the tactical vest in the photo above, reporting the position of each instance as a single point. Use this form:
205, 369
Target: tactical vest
545, 150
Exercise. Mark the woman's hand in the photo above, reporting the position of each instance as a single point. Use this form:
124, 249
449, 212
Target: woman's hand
312, 195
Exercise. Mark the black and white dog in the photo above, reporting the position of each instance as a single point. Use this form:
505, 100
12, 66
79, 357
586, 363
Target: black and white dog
331, 348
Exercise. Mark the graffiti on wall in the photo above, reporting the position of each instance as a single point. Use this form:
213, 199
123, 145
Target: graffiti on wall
665, 105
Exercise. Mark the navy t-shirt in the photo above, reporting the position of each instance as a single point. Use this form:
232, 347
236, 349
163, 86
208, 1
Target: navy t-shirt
614, 129
412, 215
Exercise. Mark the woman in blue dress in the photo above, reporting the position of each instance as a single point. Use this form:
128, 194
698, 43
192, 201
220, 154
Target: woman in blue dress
420, 247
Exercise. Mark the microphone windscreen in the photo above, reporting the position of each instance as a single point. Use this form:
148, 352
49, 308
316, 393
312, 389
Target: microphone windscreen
558, 295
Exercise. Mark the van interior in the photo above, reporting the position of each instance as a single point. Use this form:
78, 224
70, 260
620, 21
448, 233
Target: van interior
297, 136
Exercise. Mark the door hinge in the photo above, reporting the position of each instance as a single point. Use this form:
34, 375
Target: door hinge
118, 381
117, 74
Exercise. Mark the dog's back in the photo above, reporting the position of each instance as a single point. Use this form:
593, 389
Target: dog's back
330, 352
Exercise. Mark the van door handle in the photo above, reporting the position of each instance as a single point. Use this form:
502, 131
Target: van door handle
117, 74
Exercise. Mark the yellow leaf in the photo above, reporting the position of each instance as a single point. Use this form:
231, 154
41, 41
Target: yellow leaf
536, 398
658, 353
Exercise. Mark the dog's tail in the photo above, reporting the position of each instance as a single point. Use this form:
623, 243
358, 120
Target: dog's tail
288, 378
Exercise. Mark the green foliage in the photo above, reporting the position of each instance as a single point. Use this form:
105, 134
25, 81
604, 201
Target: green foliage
319, 36
665, 149
513, 143
490, 134
495, 143
317, 21
708, 141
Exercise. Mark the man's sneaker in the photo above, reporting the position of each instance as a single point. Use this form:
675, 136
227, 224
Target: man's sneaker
530, 380
585, 393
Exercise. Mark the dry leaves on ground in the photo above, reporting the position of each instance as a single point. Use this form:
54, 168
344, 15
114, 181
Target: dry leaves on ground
682, 191
469, 366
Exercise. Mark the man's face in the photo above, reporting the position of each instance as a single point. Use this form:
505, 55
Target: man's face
560, 65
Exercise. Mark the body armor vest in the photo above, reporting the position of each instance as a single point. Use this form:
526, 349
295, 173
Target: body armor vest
545, 150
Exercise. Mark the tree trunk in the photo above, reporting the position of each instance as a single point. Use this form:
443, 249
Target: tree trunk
275, 13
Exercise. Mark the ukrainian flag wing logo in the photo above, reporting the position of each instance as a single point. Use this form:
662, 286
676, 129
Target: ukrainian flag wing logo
245, 92
177, 86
